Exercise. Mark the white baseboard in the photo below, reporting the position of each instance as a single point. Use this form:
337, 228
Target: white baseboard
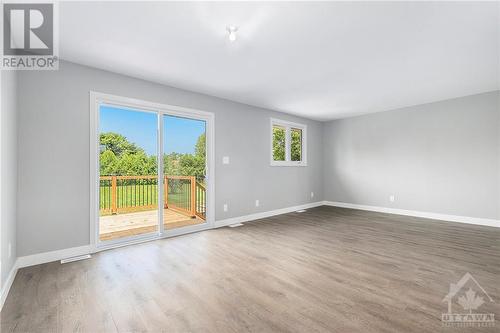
8, 284
427, 215
257, 216
42, 258
37, 259
45, 257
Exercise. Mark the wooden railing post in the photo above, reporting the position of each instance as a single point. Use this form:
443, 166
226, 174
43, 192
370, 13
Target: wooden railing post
114, 206
165, 191
193, 196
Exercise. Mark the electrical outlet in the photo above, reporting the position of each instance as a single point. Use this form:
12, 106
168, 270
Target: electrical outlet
257, 203
392, 198
312, 194
225, 207
225, 160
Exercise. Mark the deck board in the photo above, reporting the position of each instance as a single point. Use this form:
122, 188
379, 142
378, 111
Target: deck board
137, 223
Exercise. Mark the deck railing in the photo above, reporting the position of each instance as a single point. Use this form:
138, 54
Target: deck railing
124, 194
200, 202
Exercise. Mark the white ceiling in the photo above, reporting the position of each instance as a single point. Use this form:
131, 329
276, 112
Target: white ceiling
318, 60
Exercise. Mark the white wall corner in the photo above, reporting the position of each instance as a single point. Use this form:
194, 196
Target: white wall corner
8, 284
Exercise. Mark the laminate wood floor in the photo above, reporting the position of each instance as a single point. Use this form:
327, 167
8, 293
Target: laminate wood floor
326, 270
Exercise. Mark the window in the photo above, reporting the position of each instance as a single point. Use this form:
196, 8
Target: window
288, 143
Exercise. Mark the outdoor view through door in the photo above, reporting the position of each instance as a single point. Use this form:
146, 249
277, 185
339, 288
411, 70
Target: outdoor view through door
128, 172
184, 159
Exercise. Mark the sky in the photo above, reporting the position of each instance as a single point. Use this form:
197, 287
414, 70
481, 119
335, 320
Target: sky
180, 134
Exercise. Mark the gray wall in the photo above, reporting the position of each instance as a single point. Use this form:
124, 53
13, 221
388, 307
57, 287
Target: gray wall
442, 157
54, 154
8, 180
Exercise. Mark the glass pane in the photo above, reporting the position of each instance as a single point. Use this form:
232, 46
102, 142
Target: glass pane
128, 191
279, 135
184, 158
296, 144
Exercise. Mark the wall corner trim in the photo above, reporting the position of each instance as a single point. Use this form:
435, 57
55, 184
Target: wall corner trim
8, 284
426, 215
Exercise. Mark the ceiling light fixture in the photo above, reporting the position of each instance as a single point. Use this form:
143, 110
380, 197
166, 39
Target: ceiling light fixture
231, 29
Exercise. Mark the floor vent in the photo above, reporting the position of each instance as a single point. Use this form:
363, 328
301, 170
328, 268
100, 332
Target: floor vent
235, 225
77, 258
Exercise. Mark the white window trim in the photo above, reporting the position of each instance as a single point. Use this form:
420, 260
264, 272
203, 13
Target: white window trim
288, 125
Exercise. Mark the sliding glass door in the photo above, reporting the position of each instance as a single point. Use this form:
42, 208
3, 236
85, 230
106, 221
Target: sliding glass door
128, 168
152, 165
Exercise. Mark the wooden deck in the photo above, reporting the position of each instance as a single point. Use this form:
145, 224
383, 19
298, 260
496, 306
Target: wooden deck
132, 224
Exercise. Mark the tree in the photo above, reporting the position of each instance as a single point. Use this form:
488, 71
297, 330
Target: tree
192, 165
108, 163
171, 164
201, 146
118, 144
279, 143
136, 165
121, 157
176, 164
184, 165
296, 144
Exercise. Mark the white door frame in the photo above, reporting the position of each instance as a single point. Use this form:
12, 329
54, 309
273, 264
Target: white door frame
96, 99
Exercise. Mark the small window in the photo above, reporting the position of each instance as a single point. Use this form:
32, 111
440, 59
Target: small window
288, 143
